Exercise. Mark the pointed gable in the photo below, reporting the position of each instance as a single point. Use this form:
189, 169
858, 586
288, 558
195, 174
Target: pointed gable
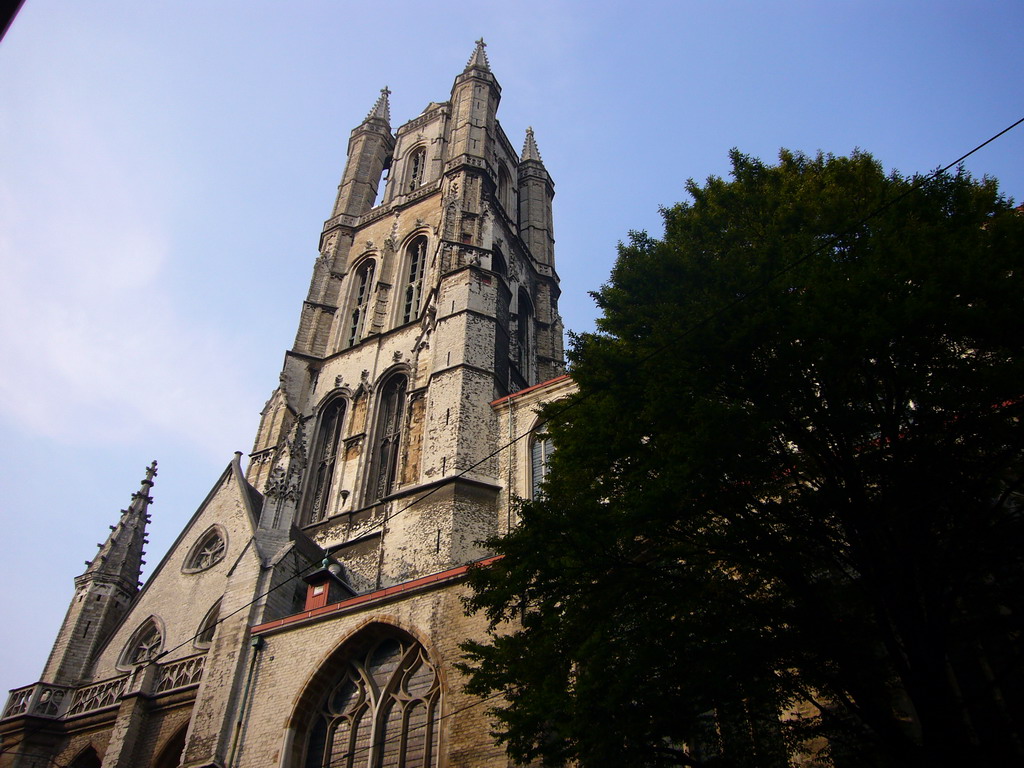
192, 577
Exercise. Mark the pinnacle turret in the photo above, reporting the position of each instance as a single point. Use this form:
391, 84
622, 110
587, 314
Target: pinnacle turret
120, 556
530, 151
478, 59
103, 593
381, 109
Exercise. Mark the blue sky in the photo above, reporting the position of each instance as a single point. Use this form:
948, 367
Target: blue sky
165, 169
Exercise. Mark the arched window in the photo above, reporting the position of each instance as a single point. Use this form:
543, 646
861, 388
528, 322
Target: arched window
207, 552
390, 418
87, 758
498, 263
524, 336
416, 259
380, 710
417, 168
325, 459
504, 186
362, 285
207, 627
171, 753
540, 452
144, 645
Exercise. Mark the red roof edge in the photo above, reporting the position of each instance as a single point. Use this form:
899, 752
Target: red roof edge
530, 389
373, 597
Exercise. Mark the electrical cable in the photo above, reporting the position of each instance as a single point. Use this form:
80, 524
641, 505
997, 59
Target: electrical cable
575, 401
559, 410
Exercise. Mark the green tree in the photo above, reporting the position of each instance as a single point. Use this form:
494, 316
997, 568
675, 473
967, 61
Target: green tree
792, 473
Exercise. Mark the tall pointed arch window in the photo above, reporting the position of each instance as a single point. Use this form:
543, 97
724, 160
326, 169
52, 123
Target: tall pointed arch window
381, 710
524, 336
87, 758
146, 642
326, 453
417, 168
204, 636
498, 263
504, 190
361, 287
171, 753
390, 419
540, 453
416, 262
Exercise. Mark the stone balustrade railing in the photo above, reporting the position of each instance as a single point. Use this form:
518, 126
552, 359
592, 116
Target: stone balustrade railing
40, 699
98, 696
57, 701
180, 674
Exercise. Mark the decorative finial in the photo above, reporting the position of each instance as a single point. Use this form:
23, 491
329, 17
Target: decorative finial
478, 59
530, 151
150, 473
381, 109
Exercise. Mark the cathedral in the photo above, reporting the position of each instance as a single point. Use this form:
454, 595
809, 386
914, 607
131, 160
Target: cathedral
309, 614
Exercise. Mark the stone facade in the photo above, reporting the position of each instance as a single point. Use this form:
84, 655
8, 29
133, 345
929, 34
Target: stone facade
310, 612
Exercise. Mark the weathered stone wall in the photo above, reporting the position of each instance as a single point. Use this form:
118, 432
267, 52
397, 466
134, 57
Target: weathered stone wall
460, 352
291, 657
517, 417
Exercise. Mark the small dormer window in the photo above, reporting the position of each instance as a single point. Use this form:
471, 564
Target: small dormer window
417, 165
206, 552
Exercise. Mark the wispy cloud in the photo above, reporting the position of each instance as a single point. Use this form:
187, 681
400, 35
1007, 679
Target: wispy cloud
95, 345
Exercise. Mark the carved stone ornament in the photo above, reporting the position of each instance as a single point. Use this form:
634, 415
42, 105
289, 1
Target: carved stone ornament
397, 357
369, 244
364, 376
339, 381
297, 445
277, 483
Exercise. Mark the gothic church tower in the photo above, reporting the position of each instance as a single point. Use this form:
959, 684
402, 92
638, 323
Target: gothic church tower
310, 613
434, 294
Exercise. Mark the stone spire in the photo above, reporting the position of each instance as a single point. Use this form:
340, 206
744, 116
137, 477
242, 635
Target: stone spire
381, 108
120, 556
530, 151
536, 189
103, 593
478, 60
370, 146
